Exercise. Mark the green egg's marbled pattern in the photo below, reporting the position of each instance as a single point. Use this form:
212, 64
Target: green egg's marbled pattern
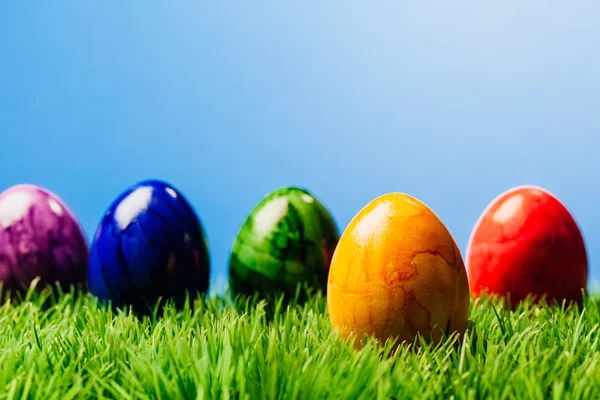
289, 238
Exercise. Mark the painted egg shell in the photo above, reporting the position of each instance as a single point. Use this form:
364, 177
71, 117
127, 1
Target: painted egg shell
39, 238
526, 242
150, 244
287, 240
396, 273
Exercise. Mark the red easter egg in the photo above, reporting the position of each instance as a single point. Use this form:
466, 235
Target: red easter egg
526, 242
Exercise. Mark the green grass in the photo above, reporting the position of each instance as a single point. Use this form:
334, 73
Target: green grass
74, 348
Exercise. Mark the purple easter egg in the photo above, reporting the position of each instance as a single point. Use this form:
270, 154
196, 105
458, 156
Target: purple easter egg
39, 237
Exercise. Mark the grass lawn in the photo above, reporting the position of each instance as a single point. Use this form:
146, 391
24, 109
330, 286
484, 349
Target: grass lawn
74, 348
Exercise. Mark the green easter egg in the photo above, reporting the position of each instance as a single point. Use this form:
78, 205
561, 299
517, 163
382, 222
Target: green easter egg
288, 239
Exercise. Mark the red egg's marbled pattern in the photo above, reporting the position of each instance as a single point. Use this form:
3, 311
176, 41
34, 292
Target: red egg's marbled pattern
527, 243
39, 237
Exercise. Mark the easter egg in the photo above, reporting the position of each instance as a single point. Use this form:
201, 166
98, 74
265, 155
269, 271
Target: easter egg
527, 243
286, 241
397, 273
39, 238
150, 245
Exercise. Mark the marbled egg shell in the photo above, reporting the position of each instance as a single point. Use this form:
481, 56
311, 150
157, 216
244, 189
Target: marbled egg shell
287, 240
396, 273
39, 237
150, 244
527, 244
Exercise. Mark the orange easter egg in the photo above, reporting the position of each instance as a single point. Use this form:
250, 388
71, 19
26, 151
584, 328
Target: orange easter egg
397, 273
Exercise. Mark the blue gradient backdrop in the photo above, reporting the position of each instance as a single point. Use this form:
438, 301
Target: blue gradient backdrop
452, 102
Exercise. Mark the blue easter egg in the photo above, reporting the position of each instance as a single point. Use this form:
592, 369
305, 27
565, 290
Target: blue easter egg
150, 245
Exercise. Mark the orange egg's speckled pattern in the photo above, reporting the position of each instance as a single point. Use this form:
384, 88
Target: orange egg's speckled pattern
397, 272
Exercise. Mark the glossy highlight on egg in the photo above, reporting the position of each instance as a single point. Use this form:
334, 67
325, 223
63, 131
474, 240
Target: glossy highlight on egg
397, 273
525, 244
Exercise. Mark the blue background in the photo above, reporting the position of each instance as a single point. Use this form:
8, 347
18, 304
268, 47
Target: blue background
452, 102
